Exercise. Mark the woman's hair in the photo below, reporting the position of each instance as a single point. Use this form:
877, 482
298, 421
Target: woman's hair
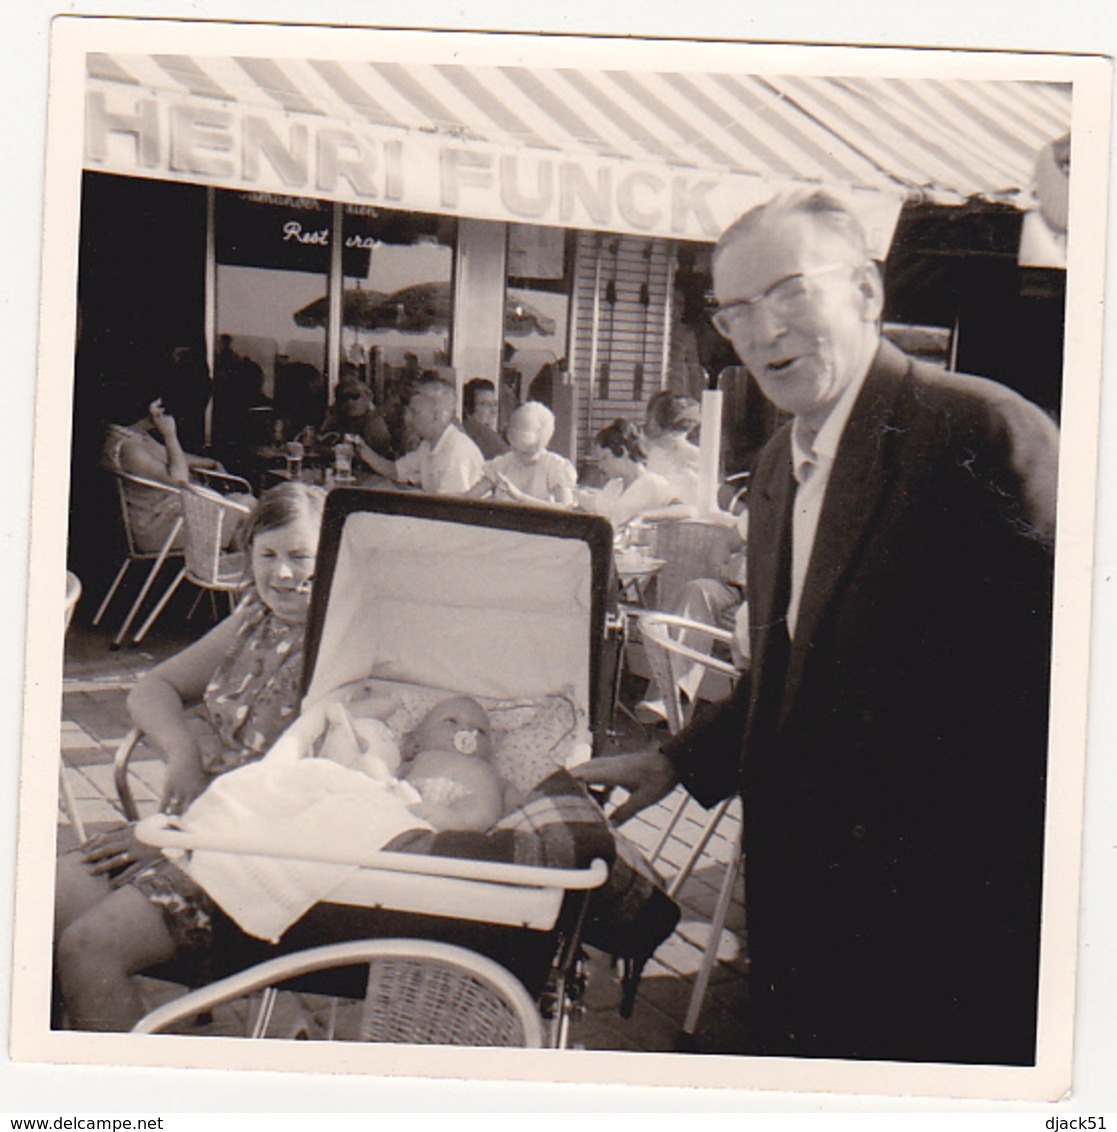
622, 438
673, 412
474, 386
540, 416
282, 505
127, 400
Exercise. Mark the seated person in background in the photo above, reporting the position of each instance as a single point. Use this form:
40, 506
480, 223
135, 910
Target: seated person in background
446, 461
480, 411
719, 601
354, 414
149, 447
300, 396
120, 905
631, 491
670, 419
529, 473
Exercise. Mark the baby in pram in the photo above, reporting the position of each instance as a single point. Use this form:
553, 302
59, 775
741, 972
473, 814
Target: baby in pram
445, 759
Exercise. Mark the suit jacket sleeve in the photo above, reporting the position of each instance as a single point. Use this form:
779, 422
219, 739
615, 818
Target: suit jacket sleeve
707, 754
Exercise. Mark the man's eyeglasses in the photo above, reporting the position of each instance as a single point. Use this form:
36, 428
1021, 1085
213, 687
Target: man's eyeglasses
782, 299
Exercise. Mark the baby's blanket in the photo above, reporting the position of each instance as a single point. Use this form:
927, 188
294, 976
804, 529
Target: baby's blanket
315, 802
560, 826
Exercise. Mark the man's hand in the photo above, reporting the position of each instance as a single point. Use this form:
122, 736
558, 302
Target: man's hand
647, 775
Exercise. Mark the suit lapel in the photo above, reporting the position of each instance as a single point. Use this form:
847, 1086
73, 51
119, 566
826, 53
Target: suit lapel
769, 573
857, 479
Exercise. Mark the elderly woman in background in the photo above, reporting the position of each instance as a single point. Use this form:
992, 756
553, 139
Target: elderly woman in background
529, 472
631, 491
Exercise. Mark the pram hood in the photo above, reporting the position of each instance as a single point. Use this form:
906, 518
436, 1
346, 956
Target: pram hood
481, 599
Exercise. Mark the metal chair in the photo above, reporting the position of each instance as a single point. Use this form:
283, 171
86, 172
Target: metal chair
66, 797
660, 633
208, 519
133, 553
417, 992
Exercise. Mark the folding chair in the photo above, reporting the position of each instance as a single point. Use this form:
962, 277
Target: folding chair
660, 634
133, 553
208, 518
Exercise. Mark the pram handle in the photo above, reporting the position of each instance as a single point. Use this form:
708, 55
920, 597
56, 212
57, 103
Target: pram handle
159, 830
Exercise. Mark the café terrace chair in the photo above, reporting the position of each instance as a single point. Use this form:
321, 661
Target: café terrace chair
208, 519
133, 554
66, 797
668, 657
688, 548
419, 992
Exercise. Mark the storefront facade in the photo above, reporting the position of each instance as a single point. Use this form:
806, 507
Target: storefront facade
547, 229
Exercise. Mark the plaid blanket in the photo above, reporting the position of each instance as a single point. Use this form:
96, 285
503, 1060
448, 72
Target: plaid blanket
561, 826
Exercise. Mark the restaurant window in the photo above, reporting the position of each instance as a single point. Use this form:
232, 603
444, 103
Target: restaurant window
398, 301
536, 325
273, 261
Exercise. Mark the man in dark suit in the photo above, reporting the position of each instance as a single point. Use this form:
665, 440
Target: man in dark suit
890, 741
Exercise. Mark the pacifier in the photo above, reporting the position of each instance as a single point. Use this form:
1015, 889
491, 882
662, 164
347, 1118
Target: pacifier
465, 741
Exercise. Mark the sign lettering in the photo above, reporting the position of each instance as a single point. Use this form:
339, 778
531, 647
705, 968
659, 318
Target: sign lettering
258, 150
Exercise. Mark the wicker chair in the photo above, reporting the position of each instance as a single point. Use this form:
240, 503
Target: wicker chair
208, 519
660, 633
688, 548
417, 992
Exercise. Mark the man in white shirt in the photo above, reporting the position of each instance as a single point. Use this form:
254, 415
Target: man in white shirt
446, 461
890, 740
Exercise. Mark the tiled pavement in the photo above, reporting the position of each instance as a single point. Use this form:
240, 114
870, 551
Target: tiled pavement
96, 682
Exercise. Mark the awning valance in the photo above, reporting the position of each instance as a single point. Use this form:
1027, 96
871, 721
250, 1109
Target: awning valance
655, 153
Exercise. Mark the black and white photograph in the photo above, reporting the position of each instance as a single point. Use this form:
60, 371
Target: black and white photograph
577, 554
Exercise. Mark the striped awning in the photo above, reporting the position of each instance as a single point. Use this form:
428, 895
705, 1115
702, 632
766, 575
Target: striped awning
652, 152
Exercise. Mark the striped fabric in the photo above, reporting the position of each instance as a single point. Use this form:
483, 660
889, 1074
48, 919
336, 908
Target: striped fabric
946, 141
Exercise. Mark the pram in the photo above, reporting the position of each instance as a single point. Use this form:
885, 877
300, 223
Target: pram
418, 597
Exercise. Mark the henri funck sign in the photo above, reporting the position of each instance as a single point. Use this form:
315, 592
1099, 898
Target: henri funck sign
179, 138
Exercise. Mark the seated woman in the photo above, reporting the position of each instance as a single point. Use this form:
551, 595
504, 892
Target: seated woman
121, 906
669, 421
150, 447
718, 600
353, 414
631, 491
529, 473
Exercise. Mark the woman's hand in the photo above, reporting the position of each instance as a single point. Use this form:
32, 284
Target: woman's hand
118, 849
647, 775
184, 781
164, 422
517, 495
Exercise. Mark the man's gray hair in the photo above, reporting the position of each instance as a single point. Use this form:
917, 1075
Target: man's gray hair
442, 392
827, 210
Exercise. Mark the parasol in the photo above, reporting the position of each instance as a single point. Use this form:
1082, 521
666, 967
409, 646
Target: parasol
417, 309
358, 310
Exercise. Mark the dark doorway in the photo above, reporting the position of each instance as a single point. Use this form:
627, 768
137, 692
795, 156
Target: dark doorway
141, 295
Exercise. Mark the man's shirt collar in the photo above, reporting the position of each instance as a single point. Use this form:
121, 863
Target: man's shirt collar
822, 447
